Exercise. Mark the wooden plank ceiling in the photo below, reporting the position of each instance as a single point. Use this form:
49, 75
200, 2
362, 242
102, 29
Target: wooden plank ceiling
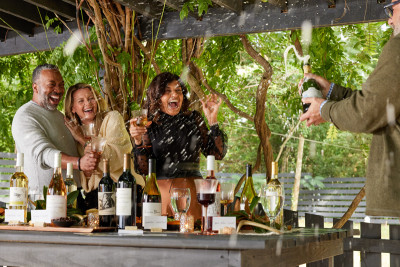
21, 21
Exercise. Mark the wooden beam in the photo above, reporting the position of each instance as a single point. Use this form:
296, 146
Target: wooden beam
232, 5
265, 17
59, 7
23, 10
3, 34
148, 8
73, 2
177, 5
15, 44
13, 23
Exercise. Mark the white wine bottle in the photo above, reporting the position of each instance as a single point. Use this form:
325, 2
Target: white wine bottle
106, 198
309, 88
280, 192
19, 187
56, 202
248, 192
151, 200
126, 196
70, 183
213, 210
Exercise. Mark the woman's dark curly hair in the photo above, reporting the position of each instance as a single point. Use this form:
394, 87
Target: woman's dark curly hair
157, 89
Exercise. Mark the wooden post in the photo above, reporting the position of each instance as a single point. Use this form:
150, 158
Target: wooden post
296, 186
394, 234
346, 259
370, 231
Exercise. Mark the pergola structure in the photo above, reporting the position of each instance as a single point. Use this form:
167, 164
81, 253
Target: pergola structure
22, 30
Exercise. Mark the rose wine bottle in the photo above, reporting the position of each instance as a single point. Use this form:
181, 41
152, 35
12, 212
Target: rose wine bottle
19, 187
151, 200
126, 196
106, 198
70, 183
56, 202
213, 210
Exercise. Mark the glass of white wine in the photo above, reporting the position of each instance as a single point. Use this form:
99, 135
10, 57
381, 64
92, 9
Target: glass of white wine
227, 193
141, 116
97, 146
271, 200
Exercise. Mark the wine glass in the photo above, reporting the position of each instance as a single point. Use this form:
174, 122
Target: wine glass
272, 201
227, 193
205, 190
89, 130
141, 121
97, 146
180, 201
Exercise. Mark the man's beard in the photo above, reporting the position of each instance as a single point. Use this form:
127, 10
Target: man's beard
46, 103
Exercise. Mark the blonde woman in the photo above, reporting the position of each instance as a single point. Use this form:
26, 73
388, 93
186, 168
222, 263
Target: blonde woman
84, 105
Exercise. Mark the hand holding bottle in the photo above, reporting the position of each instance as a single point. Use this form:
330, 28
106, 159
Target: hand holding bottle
312, 116
323, 83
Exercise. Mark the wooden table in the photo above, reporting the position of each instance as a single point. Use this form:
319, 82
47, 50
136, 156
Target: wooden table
32, 248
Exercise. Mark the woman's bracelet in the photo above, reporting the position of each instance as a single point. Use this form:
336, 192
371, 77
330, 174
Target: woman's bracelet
86, 144
79, 164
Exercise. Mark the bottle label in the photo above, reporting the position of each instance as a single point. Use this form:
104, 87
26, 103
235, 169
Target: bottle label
150, 209
124, 201
215, 208
106, 203
56, 206
18, 196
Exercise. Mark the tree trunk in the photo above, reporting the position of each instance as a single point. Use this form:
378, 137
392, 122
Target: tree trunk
297, 177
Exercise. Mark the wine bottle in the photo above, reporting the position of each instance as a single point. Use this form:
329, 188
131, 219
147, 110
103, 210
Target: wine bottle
309, 88
106, 198
56, 202
280, 192
70, 183
19, 187
248, 192
213, 210
151, 200
126, 196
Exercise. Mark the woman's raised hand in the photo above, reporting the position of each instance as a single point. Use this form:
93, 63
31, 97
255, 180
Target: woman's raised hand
75, 130
136, 131
211, 105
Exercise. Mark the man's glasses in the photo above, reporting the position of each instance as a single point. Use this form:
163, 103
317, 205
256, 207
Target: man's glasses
389, 8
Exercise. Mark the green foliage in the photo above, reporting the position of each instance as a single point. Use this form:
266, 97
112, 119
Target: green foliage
312, 183
191, 5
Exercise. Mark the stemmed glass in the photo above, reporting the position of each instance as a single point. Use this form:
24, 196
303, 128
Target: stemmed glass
141, 116
272, 201
97, 146
89, 130
205, 190
180, 202
227, 193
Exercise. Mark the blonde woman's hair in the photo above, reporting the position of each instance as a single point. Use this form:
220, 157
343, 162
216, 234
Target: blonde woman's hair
69, 101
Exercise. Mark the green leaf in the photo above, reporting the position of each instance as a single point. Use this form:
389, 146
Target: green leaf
72, 196
254, 203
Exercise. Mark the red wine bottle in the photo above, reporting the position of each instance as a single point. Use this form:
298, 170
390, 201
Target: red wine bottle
126, 196
106, 198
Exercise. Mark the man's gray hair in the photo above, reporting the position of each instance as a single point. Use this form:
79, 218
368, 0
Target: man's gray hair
38, 70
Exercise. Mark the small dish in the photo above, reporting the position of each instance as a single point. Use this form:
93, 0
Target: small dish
63, 222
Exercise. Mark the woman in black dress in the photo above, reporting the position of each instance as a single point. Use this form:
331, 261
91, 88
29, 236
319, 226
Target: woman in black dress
176, 137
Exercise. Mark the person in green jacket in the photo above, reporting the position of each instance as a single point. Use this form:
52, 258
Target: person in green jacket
375, 109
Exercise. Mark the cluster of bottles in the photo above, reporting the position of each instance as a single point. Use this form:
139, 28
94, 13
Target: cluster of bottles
119, 204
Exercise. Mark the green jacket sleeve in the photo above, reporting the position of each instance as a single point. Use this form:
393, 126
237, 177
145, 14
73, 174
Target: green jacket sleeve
377, 104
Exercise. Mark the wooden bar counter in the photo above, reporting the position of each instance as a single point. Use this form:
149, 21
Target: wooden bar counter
35, 248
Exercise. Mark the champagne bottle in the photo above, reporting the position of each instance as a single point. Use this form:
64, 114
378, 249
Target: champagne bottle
126, 196
19, 187
248, 192
106, 198
70, 183
309, 88
151, 200
213, 210
56, 202
280, 192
